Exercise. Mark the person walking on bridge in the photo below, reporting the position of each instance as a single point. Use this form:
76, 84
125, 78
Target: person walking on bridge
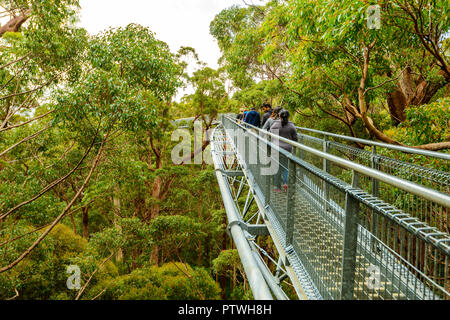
267, 109
245, 114
274, 116
240, 116
253, 118
286, 129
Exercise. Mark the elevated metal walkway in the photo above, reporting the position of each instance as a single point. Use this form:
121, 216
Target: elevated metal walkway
351, 224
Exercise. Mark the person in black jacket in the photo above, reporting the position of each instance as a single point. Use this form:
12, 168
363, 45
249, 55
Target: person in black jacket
267, 109
253, 118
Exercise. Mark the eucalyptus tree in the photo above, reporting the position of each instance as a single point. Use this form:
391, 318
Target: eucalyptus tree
125, 83
358, 69
40, 49
334, 64
238, 34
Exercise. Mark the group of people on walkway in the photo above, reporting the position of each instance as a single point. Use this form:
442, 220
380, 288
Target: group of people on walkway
275, 121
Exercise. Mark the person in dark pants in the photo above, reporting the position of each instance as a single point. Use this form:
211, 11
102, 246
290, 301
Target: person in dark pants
240, 116
253, 118
267, 109
286, 129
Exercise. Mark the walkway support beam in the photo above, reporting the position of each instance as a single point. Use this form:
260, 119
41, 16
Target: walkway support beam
256, 279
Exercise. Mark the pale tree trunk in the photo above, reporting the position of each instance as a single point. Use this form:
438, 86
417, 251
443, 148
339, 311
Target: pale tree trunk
116, 205
74, 227
154, 212
368, 122
412, 92
156, 196
15, 23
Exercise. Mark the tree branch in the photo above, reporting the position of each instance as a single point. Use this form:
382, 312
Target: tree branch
27, 122
92, 275
24, 140
63, 213
52, 185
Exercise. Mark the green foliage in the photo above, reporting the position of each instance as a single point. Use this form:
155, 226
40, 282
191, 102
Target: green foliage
133, 54
226, 262
259, 93
117, 84
174, 232
131, 75
43, 274
330, 64
173, 281
427, 124
240, 42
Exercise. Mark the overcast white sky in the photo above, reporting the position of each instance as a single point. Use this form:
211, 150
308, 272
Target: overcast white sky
176, 22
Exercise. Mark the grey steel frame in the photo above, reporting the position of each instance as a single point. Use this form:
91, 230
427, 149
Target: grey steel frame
258, 275
352, 230
237, 183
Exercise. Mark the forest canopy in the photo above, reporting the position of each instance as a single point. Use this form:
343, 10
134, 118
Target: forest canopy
320, 60
86, 124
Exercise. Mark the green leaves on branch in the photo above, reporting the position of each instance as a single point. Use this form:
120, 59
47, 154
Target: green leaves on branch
130, 76
134, 55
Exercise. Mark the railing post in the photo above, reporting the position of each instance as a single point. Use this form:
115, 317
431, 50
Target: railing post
300, 140
350, 243
355, 179
290, 202
257, 172
326, 168
268, 177
375, 189
300, 155
246, 150
375, 165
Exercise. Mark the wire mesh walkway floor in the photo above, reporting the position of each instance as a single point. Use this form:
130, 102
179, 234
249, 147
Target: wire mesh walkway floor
322, 255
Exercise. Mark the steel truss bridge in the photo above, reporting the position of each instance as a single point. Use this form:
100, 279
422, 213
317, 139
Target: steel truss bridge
352, 224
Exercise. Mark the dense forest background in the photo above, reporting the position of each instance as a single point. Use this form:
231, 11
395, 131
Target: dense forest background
86, 124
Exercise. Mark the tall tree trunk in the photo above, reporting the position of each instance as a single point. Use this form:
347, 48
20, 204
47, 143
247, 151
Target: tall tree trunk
117, 209
154, 212
86, 222
396, 102
363, 107
74, 227
155, 207
412, 92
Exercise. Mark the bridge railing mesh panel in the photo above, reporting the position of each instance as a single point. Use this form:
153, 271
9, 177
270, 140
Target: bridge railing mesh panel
317, 235
431, 213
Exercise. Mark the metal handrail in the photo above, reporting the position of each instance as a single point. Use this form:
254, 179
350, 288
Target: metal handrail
255, 277
405, 185
405, 149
